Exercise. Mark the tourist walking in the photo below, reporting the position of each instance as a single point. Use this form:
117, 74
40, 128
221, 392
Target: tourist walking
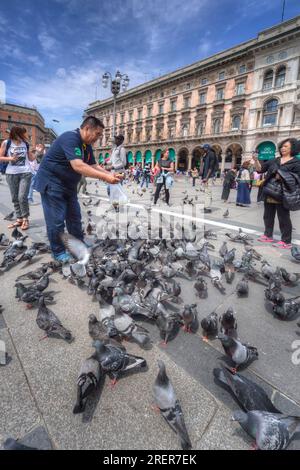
146, 175
164, 178
15, 151
39, 152
195, 175
276, 169
243, 186
210, 164
228, 183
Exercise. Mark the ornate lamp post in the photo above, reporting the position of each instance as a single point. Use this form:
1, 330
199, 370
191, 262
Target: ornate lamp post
115, 86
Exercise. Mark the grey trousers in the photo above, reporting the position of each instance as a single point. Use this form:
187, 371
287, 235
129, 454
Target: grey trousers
19, 186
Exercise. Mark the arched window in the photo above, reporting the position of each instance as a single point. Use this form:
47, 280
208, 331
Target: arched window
185, 130
217, 126
236, 122
268, 80
280, 77
200, 128
270, 112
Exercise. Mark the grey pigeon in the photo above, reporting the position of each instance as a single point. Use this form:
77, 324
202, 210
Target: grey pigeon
240, 353
201, 287
229, 256
289, 278
9, 216
48, 321
223, 250
229, 276
87, 382
165, 399
12, 444
34, 275
286, 309
190, 318
209, 324
295, 252
271, 431
80, 251
248, 394
228, 323
226, 214
115, 360
242, 287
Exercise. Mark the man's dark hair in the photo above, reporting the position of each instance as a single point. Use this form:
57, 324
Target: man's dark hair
119, 138
293, 143
92, 121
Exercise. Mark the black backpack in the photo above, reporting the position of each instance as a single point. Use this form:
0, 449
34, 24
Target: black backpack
3, 165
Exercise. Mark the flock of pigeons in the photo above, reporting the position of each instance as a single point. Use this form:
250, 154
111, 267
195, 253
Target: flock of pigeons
139, 279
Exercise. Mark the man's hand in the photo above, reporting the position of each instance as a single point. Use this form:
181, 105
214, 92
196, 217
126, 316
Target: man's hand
13, 159
110, 178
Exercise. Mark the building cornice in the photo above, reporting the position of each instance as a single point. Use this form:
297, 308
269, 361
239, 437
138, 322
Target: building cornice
284, 31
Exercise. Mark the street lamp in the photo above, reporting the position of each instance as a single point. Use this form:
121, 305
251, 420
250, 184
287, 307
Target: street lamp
115, 86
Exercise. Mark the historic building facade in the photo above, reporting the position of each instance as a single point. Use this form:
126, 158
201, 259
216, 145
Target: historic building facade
15, 115
244, 99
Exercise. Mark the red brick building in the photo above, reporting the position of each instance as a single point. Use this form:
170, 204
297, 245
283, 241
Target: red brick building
16, 115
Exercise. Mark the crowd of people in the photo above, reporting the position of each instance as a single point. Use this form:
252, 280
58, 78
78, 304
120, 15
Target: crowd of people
61, 173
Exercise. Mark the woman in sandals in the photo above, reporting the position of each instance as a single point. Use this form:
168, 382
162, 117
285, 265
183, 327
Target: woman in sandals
15, 151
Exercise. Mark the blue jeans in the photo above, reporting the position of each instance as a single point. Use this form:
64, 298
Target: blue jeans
60, 207
147, 179
30, 194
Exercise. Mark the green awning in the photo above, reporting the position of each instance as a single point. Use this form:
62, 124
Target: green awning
157, 155
101, 158
138, 156
266, 151
172, 154
148, 156
130, 158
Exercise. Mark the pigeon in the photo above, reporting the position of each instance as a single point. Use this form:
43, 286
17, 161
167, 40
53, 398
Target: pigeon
48, 321
271, 431
204, 256
295, 252
228, 323
229, 256
98, 331
201, 287
127, 328
240, 353
229, 276
190, 318
16, 234
286, 309
41, 284
167, 323
114, 360
209, 325
226, 214
9, 216
242, 287
210, 234
223, 250
4, 241
289, 278
87, 382
166, 401
12, 444
267, 270
78, 249
249, 395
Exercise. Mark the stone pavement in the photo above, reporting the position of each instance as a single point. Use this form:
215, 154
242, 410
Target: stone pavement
38, 385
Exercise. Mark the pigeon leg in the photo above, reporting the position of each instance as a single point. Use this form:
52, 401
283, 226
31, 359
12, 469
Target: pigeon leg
155, 408
44, 337
113, 383
233, 370
163, 344
205, 339
184, 328
253, 446
29, 306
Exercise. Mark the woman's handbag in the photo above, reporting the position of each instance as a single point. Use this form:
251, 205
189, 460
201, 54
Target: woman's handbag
291, 191
273, 188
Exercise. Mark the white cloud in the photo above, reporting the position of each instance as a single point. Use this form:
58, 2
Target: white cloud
204, 48
49, 43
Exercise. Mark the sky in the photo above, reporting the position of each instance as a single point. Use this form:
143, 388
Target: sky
53, 53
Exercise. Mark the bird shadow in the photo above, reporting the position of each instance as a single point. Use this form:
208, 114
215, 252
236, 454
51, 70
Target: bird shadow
92, 402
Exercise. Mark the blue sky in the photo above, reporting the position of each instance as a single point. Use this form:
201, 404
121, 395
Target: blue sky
54, 52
